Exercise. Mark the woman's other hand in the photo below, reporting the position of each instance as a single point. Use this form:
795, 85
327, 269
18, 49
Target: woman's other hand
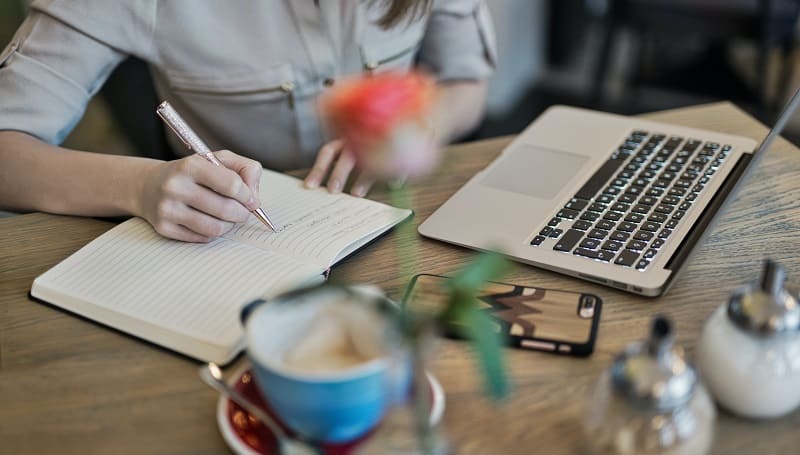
193, 200
334, 159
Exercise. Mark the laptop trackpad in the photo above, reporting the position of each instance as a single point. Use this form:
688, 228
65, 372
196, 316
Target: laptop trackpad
534, 171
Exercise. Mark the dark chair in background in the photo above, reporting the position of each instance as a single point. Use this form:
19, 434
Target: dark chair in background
131, 97
659, 24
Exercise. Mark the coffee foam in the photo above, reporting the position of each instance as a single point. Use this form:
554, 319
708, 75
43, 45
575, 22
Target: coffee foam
320, 336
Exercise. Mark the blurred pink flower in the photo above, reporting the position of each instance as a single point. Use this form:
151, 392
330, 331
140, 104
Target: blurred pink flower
384, 121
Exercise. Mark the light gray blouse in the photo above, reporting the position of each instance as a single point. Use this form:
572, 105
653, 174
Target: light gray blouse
245, 74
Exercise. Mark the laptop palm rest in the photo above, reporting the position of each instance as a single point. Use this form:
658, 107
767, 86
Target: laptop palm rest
533, 171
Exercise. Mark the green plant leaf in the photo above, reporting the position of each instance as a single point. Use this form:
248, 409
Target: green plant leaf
488, 343
463, 314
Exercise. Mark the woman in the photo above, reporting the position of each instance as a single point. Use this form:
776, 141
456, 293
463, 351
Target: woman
245, 75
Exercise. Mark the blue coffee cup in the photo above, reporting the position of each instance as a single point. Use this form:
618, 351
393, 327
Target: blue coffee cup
325, 405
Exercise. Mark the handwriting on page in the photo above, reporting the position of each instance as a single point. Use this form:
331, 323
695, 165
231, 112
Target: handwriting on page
317, 225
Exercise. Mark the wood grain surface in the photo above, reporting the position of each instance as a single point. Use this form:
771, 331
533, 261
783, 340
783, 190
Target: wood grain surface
68, 385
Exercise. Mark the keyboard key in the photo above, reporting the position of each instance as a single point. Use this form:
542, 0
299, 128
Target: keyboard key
586, 253
671, 224
597, 234
698, 188
590, 216
627, 258
567, 213
634, 217
537, 240
612, 190
678, 214
657, 243
648, 200
655, 192
642, 264
641, 208
568, 241
626, 198
576, 204
612, 216
620, 236
676, 192
627, 226
650, 254
582, 225
597, 207
691, 145
644, 236
545, 231
599, 178
671, 200
556, 233
605, 255
634, 190
649, 226
664, 208
554, 222
682, 183
591, 244
605, 224
605, 198
691, 197
656, 217
637, 245
620, 207
611, 245
664, 233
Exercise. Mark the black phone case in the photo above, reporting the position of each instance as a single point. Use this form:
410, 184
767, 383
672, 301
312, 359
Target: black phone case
532, 318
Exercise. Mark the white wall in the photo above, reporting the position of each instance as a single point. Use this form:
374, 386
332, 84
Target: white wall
521, 37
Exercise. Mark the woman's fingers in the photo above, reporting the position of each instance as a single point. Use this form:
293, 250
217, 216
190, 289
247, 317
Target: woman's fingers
200, 223
325, 158
178, 232
362, 185
341, 171
249, 170
207, 201
221, 180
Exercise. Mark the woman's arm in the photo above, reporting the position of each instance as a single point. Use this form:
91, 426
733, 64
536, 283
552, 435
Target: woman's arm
188, 199
459, 109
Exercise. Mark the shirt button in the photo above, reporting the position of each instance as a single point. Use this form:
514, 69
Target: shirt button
328, 82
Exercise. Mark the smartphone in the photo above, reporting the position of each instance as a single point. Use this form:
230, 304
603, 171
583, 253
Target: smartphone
561, 322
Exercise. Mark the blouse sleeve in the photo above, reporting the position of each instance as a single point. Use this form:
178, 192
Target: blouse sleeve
58, 59
459, 41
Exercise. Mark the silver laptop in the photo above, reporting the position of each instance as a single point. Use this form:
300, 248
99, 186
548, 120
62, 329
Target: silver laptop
611, 199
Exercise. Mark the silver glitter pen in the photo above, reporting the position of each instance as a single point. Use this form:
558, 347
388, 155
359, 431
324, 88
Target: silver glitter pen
195, 144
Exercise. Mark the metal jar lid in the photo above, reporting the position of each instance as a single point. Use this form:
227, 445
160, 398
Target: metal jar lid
768, 308
652, 375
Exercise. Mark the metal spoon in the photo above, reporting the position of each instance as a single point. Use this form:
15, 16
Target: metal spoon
212, 375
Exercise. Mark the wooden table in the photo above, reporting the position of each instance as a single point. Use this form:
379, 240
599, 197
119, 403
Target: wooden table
68, 385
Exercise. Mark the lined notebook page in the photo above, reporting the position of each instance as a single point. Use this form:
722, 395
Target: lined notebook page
137, 281
318, 226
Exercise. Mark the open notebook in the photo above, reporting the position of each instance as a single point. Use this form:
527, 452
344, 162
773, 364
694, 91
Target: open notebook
187, 297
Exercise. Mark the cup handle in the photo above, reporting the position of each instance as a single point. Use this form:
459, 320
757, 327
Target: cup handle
248, 310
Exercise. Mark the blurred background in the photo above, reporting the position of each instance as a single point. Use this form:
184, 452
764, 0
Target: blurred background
623, 56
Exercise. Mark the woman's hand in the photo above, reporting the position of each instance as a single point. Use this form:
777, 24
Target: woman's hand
194, 200
333, 157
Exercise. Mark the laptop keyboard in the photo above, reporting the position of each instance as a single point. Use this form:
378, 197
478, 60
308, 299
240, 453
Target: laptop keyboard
627, 210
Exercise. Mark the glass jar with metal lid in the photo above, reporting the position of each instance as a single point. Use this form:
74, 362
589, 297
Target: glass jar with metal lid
650, 401
749, 352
